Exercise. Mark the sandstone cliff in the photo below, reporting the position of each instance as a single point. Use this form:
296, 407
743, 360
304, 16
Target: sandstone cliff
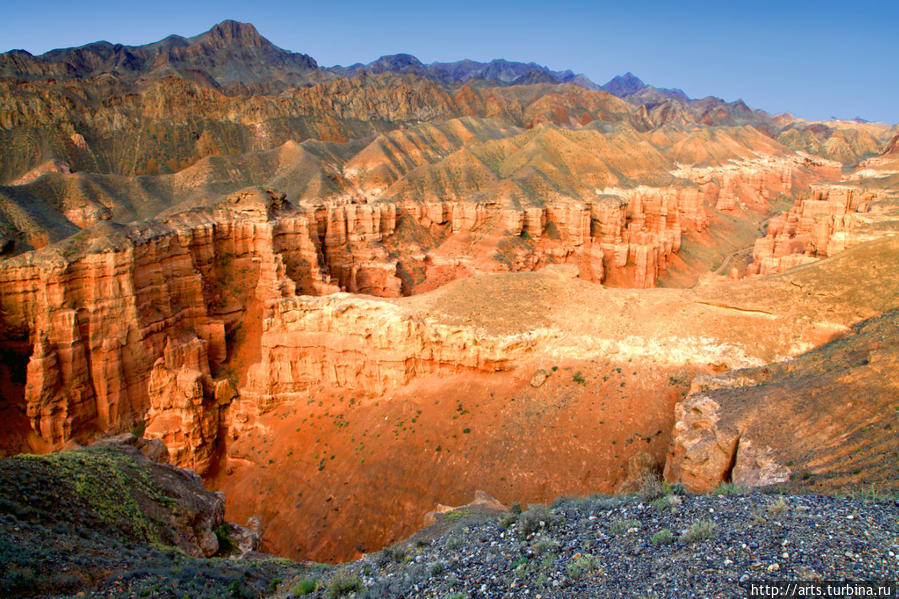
127, 321
820, 225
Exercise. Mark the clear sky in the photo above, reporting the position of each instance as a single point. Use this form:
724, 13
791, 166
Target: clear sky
816, 59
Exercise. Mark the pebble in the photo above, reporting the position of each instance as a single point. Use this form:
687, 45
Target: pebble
628, 563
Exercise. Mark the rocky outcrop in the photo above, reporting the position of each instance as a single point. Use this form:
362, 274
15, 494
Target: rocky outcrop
185, 411
126, 321
364, 345
105, 308
819, 225
114, 490
754, 182
824, 419
639, 229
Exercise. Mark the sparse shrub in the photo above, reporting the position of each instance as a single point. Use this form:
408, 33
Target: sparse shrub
544, 546
515, 508
583, 566
236, 590
343, 584
699, 531
650, 488
437, 569
778, 507
396, 553
578, 378
663, 537
621, 526
668, 501
507, 520
604, 502
224, 539
675, 489
453, 542
139, 429
533, 520
561, 501
729, 489
452, 515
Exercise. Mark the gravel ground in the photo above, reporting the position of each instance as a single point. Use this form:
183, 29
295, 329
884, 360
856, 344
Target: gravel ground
674, 546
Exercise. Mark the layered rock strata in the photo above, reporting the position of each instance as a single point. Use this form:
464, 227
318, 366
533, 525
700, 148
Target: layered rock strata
819, 225
132, 321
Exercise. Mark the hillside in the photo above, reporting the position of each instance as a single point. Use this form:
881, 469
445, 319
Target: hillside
108, 520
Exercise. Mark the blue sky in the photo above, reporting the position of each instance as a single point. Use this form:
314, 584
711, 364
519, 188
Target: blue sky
816, 59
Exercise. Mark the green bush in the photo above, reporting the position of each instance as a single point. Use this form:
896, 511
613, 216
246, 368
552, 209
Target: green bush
582, 566
668, 501
663, 537
305, 586
699, 531
650, 488
729, 489
778, 507
533, 520
544, 546
225, 542
343, 584
621, 526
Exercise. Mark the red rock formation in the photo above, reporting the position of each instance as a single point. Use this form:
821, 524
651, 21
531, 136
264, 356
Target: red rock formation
817, 226
108, 311
752, 182
369, 346
101, 315
185, 411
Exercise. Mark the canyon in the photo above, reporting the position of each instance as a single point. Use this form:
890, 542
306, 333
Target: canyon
347, 296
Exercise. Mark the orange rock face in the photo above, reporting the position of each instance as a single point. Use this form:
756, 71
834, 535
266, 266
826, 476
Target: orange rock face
107, 322
131, 323
185, 409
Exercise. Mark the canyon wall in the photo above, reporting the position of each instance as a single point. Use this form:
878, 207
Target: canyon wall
367, 346
161, 320
170, 318
820, 224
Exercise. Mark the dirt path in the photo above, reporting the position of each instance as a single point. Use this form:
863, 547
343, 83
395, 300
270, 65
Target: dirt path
763, 230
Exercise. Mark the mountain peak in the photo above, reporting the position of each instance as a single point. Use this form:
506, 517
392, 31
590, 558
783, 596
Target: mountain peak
398, 61
624, 85
228, 31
